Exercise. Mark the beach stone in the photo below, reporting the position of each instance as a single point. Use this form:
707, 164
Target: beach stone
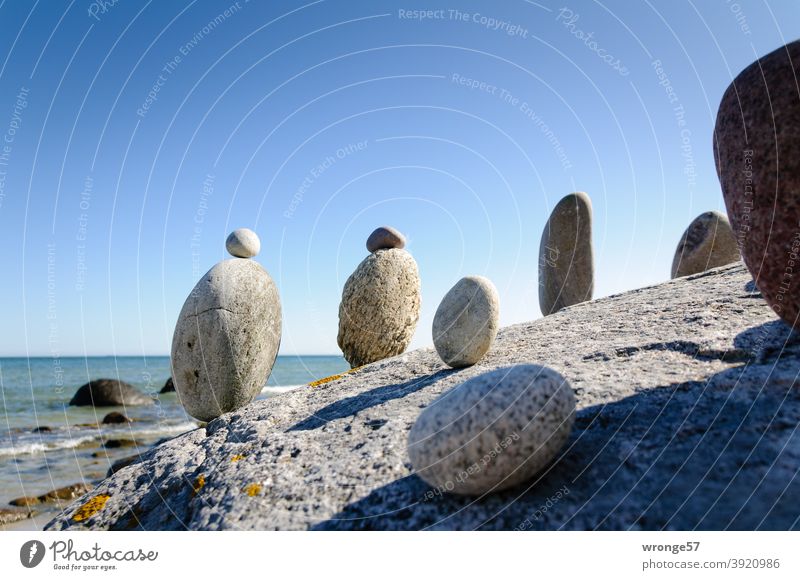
109, 393
24, 501
707, 243
493, 431
226, 339
566, 255
169, 387
8, 516
41, 429
243, 243
384, 238
466, 322
757, 149
380, 307
114, 418
68, 492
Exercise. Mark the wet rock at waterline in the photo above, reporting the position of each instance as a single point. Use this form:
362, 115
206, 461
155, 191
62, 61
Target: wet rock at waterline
493, 431
380, 307
115, 417
566, 255
384, 238
243, 243
109, 393
169, 387
707, 243
466, 322
226, 339
757, 149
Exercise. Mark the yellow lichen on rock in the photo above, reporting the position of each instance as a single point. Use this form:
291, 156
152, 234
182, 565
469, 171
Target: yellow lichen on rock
199, 483
332, 377
253, 489
90, 508
236, 458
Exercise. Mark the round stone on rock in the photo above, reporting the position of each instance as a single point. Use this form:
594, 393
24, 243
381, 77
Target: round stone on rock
757, 149
566, 255
493, 431
384, 238
226, 339
380, 307
466, 322
109, 393
243, 243
707, 243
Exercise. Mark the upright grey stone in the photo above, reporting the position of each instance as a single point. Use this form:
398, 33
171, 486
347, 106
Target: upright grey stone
566, 255
707, 243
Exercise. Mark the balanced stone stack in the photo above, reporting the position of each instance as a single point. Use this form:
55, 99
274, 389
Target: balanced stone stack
493, 431
566, 255
707, 243
228, 333
757, 149
466, 322
380, 301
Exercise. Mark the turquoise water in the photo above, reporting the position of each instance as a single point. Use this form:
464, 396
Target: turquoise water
36, 392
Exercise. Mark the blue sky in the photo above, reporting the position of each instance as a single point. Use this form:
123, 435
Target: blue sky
136, 135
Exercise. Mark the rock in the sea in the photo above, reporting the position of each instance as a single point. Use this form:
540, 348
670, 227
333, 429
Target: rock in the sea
69, 492
566, 255
466, 322
8, 516
380, 307
169, 387
24, 501
707, 243
109, 393
117, 443
493, 431
757, 149
243, 243
115, 418
226, 339
384, 238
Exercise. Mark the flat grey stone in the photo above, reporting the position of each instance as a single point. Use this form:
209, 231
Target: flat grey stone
707, 243
384, 238
466, 322
380, 307
686, 418
493, 431
109, 393
226, 339
566, 255
243, 243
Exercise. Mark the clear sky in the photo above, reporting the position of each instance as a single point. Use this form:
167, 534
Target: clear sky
136, 135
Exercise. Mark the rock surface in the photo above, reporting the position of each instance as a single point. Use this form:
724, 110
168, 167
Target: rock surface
493, 431
566, 255
115, 418
707, 243
466, 322
226, 339
687, 412
109, 393
757, 148
380, 307
243, 243
384, 238
169, 387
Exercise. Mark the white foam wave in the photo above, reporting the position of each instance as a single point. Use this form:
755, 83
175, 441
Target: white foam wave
30, 448
276, 390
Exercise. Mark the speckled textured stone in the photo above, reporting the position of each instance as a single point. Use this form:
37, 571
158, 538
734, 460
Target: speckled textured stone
380, 307
226, 339
493, 431
243, 243
707, 243
688, 403
384, 238
757, 148
466, 322
566, 255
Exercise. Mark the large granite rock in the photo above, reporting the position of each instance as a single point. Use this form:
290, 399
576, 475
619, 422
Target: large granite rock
109, 393
380, 307
757, 149
687, 412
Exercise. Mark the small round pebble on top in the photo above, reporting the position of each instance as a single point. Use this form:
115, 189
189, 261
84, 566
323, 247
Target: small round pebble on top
243, 243
384, 238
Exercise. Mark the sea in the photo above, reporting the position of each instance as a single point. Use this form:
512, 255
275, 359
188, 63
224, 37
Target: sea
45, 444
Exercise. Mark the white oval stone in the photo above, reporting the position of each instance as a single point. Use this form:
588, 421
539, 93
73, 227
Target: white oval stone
466, 322
226, 339
243, 243
493, 431
380, 307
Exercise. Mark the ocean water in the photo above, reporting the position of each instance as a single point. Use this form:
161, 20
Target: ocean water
69, 445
